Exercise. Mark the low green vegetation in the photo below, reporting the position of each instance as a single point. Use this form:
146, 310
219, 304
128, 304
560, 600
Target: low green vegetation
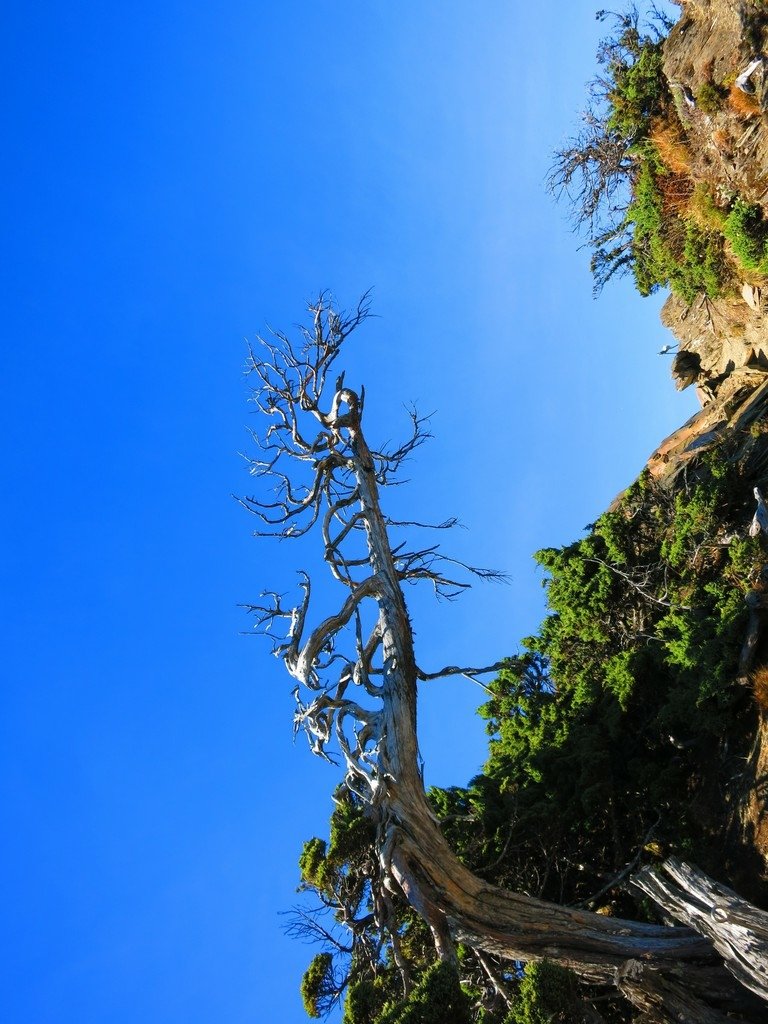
711, 97
637, 89
747, 230
670, 251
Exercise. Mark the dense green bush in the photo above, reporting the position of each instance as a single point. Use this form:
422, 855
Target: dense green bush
639, 88
613, 716
747, 231
317, 985
670, 249
437, 999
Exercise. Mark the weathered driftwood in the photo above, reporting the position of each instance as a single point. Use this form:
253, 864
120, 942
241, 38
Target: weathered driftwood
737, 930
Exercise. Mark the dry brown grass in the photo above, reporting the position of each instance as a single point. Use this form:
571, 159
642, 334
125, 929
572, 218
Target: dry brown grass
676, 191
707, 70
742, 103
672, 146
760, 686
723, 141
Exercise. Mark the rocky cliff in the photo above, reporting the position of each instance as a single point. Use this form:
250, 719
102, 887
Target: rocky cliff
717, 70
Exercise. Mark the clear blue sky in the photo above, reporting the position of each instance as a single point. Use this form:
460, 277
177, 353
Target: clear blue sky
177, 176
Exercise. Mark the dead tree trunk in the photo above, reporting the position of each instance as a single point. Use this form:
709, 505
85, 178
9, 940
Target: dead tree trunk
672, 973
737, 930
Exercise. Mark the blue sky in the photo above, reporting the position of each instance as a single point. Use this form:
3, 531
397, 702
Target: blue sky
177, 178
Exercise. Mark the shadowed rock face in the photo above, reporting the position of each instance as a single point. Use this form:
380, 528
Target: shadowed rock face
713, 42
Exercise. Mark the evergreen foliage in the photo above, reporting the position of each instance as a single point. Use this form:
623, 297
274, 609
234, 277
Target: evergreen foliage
747, 231
437, 999
618, 725
318, 986
637, 89
548, 995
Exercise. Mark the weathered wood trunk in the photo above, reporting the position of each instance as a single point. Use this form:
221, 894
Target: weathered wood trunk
673, 974
736, 929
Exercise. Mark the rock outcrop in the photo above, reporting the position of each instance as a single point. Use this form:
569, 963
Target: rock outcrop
721, 46
716, 63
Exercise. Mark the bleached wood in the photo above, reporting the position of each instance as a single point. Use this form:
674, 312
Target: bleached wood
737, 929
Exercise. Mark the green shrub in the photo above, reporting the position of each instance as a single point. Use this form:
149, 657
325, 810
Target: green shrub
670, 250
747, 231
313, 864
317, 986
437, 999
638, 91
361, 1004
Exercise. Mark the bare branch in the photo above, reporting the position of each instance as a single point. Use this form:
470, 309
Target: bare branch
454, 670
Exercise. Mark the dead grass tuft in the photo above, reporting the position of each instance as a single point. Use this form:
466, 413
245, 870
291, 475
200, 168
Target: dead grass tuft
676, 191
671, 146
723, 142
760, 687
742, 103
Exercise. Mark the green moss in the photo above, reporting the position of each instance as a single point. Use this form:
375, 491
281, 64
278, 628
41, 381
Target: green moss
705, 211
710, 97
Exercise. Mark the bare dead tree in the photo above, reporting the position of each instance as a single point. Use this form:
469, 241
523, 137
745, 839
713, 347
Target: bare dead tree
356, 679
